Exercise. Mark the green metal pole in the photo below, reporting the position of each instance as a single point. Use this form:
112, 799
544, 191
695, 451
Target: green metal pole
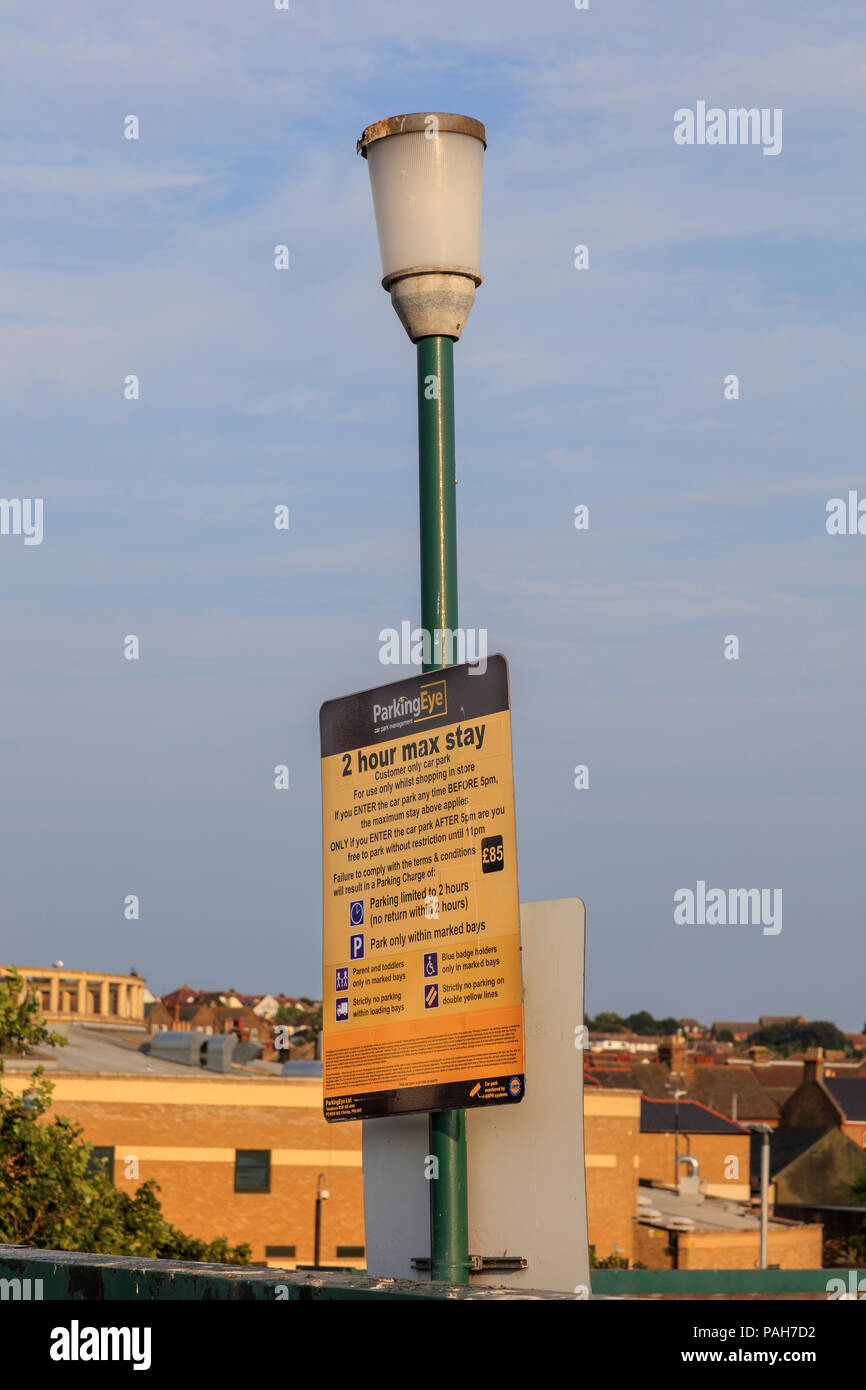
449, 1223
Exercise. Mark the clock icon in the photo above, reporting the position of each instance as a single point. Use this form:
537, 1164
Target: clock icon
356, 913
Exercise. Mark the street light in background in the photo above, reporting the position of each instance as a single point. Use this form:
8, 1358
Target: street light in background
677, 1095
764, 1131
426, 177
322, 1195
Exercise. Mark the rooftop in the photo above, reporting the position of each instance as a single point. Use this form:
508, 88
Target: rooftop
660, 1117
117, 1051
706, 1213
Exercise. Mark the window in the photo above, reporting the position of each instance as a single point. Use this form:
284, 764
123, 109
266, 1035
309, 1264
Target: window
349, 1252
102, 1156
272, 1251
252, 1170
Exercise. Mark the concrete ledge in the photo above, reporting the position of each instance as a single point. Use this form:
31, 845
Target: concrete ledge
72, 1275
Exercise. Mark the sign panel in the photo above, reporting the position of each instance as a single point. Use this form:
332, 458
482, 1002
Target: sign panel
422, 980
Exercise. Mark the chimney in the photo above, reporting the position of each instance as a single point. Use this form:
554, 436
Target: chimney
672, 1050
813, 1065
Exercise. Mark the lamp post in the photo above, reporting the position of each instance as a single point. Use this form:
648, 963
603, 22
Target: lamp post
676, 1095
322, 1195
764, 1131
426, 179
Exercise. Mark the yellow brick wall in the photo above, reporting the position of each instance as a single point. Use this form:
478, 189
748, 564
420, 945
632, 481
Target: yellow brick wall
611, 1128
713, 1151
790, 1248
797, 1247
183, 1133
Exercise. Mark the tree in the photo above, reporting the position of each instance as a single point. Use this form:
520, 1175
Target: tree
52, 1196
857, 1242
288, 1014
796, 1037
606, 1023
669, 1027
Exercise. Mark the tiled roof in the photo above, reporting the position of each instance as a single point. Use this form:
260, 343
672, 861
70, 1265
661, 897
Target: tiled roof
717, 1087
849, 1093
612, 1078
659, 1117
785, 1146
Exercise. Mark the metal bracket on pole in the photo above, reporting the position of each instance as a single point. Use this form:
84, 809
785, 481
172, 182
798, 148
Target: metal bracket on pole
481, 1264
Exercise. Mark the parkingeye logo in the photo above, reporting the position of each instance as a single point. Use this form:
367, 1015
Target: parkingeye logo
430, 702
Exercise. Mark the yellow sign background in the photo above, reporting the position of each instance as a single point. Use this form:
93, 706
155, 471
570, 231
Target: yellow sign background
403, 835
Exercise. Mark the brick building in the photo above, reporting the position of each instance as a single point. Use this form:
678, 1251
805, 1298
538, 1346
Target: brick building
235, 1155
822, 1100
611, 1120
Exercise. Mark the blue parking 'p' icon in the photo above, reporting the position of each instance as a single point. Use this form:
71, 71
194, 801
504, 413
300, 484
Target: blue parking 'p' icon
356, 946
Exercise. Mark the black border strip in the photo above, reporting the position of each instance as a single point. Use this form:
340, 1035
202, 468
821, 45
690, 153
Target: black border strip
414, 1100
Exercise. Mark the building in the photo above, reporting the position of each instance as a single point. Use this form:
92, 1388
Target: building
734, 1092
185, 995
235, 1155
241, 1020
682, 1229
824, 1101
691, 1028
738, 1031
265, 1005
811, 1173
157, 1018
643, 1206
623, 1042
670, 1128
87, 996
779, 1079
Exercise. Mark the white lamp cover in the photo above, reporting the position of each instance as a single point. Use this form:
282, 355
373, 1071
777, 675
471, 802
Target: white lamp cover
426, 178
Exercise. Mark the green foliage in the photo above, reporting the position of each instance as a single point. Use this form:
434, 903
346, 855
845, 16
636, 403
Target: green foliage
51, 1195
642, 1023
21, 1025
796, 1037
307, 1020
726, 1036
856, 1243
609, 1261
858, 1187
844, 1253
289, 1014
606, 1023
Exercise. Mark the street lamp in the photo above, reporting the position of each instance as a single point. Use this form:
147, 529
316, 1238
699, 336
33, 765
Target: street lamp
322, 1195
676, 1095
426, 178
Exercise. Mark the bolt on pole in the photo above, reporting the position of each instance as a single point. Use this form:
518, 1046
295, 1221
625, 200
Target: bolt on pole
449, 1219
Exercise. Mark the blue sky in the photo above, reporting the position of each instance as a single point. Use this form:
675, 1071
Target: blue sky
602, 387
